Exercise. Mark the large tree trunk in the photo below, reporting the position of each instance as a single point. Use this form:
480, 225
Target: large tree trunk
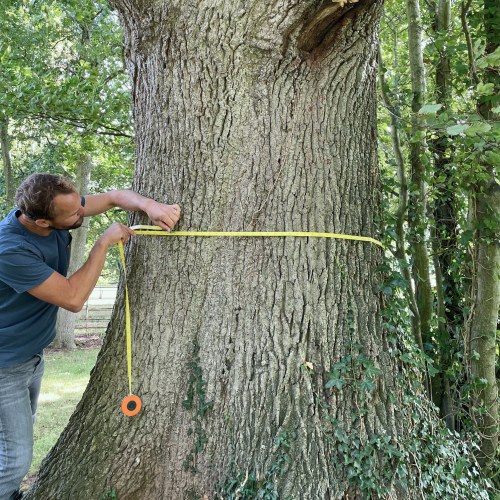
254, 116
66, 320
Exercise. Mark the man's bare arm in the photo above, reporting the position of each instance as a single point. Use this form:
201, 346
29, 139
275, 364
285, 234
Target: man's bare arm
165, 216
71, 293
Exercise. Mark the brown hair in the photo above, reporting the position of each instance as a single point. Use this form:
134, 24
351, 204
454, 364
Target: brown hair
35, 196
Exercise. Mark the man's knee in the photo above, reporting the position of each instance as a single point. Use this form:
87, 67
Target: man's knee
22, 463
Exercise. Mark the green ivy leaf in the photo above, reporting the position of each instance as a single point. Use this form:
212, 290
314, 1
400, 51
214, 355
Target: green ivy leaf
492, 157
491, 60
432, 370
429, 109
477, 128
338, 383
366, 385
485, 88
456, 129
407, 358
373, 371
418, 136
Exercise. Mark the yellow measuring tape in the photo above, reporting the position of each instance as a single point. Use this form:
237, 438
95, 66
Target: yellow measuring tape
158, 231
131, 405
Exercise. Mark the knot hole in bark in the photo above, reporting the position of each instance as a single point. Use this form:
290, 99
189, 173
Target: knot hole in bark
325, 24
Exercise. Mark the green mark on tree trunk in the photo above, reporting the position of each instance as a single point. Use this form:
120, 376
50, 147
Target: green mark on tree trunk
196, 401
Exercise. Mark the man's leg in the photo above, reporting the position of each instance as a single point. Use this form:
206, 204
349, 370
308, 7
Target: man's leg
19, 390
36, 384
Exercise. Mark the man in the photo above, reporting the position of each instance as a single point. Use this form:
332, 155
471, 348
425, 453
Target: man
34, 256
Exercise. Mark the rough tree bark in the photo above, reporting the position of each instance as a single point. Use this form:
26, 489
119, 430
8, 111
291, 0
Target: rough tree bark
66, 320
7, 163
254, 116
485, 211
418, 200
483, 340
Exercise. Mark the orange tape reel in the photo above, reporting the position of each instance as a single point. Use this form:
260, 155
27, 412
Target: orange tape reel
131, 405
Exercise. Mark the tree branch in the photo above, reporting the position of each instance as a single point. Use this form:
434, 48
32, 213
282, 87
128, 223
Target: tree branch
464, 9
76, 122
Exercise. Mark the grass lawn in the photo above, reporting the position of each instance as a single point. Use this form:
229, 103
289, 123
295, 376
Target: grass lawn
66, 376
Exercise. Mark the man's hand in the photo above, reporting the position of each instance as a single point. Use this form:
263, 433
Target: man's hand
115, 233
165, 216
71, 293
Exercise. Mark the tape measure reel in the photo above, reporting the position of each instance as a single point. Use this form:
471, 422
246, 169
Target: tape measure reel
131, 405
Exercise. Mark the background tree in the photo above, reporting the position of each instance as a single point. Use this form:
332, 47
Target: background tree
462, 145
444, 232
418, 170
485, 212
64, 94
60, 83
66, 320
7, 162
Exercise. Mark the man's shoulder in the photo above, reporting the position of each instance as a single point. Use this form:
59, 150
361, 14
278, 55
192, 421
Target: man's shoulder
12, 236
16, 246
8, 220
10, 224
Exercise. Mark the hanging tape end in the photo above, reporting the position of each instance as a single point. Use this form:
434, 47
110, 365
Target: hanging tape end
131, 405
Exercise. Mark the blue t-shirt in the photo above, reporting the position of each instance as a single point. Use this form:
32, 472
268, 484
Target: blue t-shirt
27, 324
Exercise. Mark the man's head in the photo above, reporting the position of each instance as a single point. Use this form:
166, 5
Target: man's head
50, 201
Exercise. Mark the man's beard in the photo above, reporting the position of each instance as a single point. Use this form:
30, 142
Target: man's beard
76, 225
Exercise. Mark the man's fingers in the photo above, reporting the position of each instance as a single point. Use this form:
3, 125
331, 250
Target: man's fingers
163, 225
127, 233
176, 212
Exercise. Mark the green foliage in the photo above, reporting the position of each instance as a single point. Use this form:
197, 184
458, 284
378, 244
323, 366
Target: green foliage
367, 464
250, 484
65, 93
443, 461
426, 455
370, 466
355, 371
109, 495
468, 135
61, 63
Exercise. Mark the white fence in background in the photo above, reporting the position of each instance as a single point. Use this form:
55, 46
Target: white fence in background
96, 313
